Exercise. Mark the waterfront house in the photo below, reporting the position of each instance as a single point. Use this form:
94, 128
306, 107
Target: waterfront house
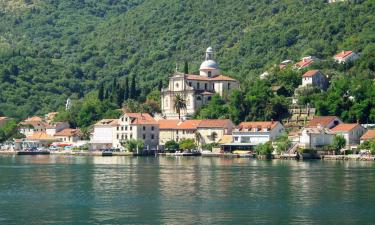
68, 135
139, 126
104, 134
315, 137
369, 135
249, 134
345, 56
324, 122
177, 130
352, 132
315, 78
210, 131
31, 125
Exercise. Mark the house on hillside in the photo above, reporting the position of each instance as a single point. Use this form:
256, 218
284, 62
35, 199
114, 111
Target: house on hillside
68, 135
345, 56
31, 125
104, 134
196, 90
305, 62
352, 132
138, 126
247, 135
315, 78
53, 128
327, 122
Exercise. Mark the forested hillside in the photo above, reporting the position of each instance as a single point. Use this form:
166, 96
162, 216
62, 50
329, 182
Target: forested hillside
54, 49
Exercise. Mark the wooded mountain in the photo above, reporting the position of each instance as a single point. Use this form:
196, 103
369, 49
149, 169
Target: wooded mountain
54, 49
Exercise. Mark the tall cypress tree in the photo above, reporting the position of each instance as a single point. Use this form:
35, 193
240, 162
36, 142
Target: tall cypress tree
133, 89
126, 89
186, 68
101, 92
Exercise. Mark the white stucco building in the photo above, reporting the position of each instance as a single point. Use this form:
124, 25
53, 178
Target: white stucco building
313, 137
345, 56
104, 134
315, 78
196, 90
352, 132
138, 126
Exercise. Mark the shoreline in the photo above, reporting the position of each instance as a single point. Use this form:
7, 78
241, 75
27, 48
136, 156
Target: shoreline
218, 155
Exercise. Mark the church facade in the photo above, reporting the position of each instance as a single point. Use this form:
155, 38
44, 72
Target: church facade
196, 90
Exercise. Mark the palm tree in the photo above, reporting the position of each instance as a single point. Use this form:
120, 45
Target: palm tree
198, 137
213, 136
179, 104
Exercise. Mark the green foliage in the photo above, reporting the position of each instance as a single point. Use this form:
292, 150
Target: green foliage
171, 145
338, 142
9, 131
368, 145
179, 104
210, 146
52, 50
187, 144
264, 149
132, 145
282, 143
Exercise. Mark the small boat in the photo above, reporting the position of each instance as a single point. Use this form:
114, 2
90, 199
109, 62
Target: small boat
194, 153
107, 153
33, 152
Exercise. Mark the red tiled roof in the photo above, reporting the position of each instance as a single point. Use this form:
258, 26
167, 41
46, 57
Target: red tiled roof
344, 127
215, 123
40, 136
322, 120
67, 132
310, 73
168, 124
203, 78
260, 125
141, 118
107, 122
223, 78
370, 134
197, 77
343, 54
34, 119
189, 124
304, 63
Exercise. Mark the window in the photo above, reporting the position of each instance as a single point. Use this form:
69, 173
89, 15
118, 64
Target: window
126, 137
209, 98
126, 119
190, 84
144, 128
199, 98
117, 128
205, 86
118, 136
131, 128
126, 127
198, 85
177, 85
209, 73
152, 128
122, 128
144, 136
152, 136
122, 137
122, 119
228, 86
131, 136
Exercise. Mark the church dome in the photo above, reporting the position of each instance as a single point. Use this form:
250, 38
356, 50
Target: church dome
209, 64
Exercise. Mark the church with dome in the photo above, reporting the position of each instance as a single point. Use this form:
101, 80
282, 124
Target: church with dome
196, 90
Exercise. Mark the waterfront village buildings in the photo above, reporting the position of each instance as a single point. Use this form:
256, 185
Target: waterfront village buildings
196, 90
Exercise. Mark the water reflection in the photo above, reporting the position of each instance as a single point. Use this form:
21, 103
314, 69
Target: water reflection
117, 190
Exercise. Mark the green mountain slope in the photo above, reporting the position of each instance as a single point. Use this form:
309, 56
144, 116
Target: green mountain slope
54, 49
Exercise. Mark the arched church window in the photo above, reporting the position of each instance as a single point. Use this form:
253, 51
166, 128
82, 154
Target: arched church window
209, 73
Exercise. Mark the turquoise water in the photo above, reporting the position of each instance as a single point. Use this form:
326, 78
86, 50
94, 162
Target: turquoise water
147, 190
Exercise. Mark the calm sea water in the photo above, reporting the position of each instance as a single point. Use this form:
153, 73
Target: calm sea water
125, 190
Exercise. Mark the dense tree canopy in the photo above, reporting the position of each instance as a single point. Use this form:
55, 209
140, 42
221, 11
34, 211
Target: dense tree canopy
54, 49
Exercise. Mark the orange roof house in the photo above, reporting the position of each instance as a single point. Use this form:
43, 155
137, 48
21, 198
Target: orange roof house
345, 56
324, 121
